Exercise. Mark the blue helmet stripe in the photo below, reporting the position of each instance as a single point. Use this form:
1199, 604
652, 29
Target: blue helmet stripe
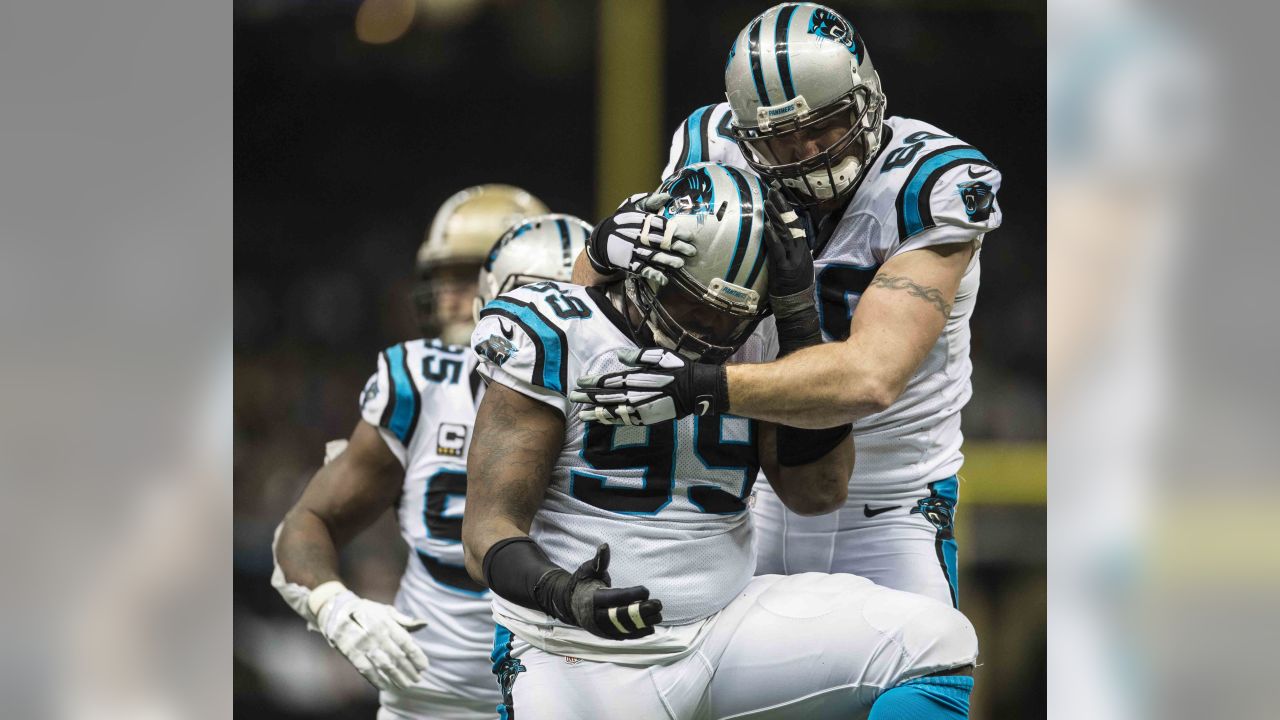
758, 265
745, 221
909, 203
753, 42
565, 248
782, 53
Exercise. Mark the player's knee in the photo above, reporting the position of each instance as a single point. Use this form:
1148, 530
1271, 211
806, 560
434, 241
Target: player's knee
941, 638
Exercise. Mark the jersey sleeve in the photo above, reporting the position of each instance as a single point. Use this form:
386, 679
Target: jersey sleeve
950, 197
390, 401
520, 345
704, 137
761, 346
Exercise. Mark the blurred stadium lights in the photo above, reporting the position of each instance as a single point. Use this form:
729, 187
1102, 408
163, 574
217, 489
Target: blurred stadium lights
382, 21
379, 22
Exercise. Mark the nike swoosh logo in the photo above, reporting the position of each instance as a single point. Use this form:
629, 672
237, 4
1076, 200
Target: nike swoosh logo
703, 407
872, 512
507, 332
972, 174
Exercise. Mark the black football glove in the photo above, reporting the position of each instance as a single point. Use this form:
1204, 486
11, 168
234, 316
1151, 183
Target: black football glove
634, 238
790, 276
659, 386
586, 600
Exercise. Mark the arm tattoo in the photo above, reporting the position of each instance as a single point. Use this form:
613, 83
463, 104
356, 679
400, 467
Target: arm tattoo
512, 454
933, 296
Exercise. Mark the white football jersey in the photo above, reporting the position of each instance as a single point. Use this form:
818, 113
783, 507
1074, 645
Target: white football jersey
670, 499
925, 188
423, 400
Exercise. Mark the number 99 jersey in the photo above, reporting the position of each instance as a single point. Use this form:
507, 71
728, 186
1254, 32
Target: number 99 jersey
423, 399
670, 499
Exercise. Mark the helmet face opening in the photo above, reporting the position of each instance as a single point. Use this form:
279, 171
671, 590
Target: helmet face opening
442, 297
822, 155
691, 321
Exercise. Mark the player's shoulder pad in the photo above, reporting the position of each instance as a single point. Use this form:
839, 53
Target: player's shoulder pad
527, 332
391, 399
703, 136
944, 182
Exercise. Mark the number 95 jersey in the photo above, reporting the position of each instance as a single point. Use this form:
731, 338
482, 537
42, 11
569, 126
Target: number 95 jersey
422, 399
670, 499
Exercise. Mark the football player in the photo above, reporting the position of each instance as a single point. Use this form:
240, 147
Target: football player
409, 452
895, 211
621, 557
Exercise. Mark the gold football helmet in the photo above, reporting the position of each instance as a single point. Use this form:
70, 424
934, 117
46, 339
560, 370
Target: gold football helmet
455, 248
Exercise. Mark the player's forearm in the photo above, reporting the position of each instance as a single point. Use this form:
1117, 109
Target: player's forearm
817, 387
584, 274
819, 487
479, 534
305, 550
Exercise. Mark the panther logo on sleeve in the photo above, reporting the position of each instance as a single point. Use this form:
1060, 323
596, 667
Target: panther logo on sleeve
370, 391
977, 197
497, 349
827, 24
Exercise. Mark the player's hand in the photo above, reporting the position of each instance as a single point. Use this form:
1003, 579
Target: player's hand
787, 249
659, 386
791, 294
374, 638
608, 612
637, 239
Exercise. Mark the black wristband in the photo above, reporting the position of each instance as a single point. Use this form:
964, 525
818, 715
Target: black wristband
710, 384
798, 331
796, 317
516, 569
798, 446
599, 266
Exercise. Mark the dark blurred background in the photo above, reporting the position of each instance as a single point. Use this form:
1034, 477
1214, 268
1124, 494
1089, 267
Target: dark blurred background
355, 120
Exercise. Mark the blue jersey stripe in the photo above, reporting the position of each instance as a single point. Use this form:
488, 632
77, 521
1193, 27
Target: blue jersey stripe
545, 336
693, 135
501, 646
912, 222
406, 409
949, 489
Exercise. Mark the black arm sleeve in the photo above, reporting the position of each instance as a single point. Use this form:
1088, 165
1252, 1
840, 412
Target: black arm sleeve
799, 446
518, 570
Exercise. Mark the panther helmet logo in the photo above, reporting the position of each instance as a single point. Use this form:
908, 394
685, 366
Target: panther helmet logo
827, 24
692, 188
977, 197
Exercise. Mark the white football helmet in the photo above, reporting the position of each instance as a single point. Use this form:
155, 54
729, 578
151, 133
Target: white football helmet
709, 307
455, 247
807, 106
543, 247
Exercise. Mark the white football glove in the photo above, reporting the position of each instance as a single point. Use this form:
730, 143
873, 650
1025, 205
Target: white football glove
637, 239
373, 637
656, 386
